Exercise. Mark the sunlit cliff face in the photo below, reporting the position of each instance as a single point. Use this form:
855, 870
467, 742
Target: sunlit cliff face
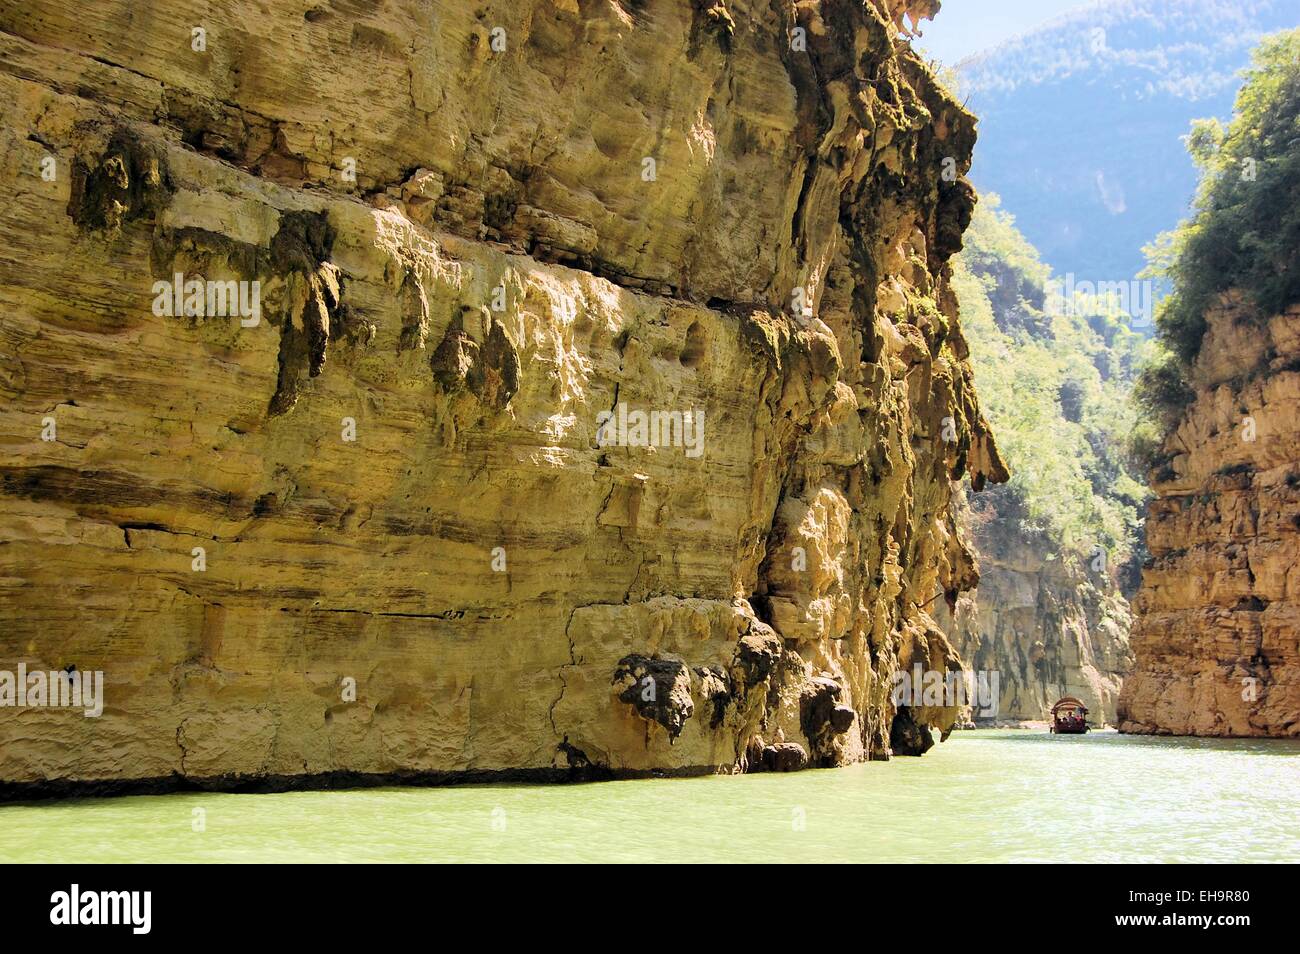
385, 529
1216, 636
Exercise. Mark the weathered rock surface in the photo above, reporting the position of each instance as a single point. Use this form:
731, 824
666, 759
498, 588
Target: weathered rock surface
1047, 622
375, 531
1217, 635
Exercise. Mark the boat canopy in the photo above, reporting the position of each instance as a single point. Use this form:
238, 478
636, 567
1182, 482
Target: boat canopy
1068, 702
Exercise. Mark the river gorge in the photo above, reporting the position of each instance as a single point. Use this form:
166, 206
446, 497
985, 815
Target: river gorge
409, 401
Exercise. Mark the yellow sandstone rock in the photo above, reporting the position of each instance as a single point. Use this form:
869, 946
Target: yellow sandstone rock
381, 531
1217, 634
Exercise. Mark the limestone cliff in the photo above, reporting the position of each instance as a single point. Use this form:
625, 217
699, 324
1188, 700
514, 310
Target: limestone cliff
1217, 635
399, 518
1049, 622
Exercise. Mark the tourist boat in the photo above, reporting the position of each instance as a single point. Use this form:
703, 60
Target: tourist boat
1069, 716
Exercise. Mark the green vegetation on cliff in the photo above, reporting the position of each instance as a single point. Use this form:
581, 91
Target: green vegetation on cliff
1054, 381
1246, 223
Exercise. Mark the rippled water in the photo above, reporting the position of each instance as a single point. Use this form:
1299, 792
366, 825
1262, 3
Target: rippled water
982, 796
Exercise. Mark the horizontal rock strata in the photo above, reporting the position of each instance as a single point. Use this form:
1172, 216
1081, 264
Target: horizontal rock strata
399, 519
1217, 635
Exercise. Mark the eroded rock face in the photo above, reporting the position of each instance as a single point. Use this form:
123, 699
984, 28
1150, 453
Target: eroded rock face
1217, 636
1048, 622
379, 530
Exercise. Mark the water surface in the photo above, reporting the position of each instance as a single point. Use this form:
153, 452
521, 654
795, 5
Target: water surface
986, 796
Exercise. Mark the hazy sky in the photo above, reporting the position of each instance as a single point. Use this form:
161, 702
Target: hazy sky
964, 27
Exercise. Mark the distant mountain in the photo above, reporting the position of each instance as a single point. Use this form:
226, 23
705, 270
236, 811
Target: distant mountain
1081, 120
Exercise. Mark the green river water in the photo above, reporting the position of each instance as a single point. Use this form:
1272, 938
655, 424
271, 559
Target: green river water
984, 796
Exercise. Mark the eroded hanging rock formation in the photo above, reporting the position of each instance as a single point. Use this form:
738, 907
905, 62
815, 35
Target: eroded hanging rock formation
377, 530
1217, 634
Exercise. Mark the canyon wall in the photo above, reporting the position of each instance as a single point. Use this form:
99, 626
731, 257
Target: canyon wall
1048, 621
1050, 615
1217, 635
384, 524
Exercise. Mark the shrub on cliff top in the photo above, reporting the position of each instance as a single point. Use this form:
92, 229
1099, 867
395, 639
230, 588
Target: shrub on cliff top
1161, 390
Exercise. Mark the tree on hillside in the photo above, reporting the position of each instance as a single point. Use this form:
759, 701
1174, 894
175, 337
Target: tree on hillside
1245, 229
